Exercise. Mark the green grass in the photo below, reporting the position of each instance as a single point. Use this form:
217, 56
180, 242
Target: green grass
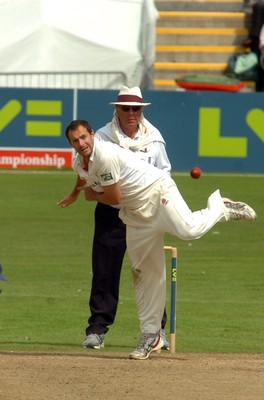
46, 257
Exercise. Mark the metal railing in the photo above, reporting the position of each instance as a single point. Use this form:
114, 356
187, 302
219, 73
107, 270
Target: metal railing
63, 80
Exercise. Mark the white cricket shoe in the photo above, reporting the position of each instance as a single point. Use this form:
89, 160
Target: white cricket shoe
94, 341
148, 342
239, 210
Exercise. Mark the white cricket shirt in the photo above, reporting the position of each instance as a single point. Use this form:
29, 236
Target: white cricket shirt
110, 163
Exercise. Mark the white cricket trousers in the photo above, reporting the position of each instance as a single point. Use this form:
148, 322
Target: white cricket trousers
166, 211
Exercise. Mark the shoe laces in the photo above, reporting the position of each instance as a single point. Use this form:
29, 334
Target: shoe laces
99, 337
235, 206
144, 339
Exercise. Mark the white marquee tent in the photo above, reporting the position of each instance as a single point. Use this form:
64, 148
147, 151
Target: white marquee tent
41, 39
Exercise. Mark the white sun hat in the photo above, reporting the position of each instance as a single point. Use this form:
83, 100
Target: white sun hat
130, 97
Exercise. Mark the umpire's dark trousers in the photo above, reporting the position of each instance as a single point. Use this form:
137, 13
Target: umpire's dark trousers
109, 246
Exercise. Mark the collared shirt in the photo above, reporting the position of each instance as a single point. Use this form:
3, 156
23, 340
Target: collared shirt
110, 163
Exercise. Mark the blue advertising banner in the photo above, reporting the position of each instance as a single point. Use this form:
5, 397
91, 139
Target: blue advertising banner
34, 117
32, 128
217, 131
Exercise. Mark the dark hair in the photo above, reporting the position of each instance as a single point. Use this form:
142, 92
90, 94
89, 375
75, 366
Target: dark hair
75, 124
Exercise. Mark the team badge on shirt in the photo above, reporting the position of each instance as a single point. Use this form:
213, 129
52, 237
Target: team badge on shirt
107, 177
164, 201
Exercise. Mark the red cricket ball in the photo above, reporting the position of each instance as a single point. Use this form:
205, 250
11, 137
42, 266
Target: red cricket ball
196, 172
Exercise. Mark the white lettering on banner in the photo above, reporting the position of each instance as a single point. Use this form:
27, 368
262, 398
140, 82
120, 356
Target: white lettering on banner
23, 160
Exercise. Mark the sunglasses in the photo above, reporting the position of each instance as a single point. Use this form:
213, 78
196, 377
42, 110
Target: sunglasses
133, 108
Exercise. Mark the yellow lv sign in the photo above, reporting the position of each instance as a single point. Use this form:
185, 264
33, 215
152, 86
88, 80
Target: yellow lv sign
211, 143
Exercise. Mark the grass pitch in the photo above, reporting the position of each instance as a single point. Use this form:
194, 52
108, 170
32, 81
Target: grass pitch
46, 257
